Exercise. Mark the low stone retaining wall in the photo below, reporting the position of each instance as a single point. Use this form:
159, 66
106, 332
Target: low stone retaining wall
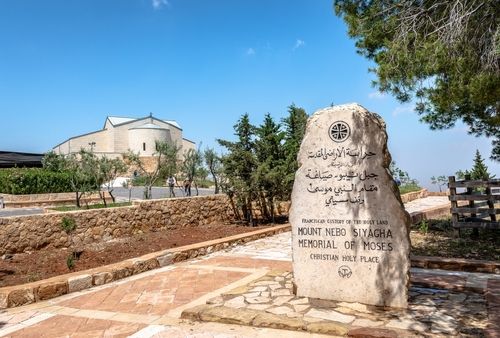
34, 232
42, 200
415, 195
13, 296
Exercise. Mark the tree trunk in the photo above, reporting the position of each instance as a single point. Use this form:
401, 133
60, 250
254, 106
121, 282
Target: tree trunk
233, 206
102, 194
77, 200
113, 198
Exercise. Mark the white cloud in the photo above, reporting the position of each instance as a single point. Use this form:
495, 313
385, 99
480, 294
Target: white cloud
250, 51
376, 95
408, 108
299, 43
158, 4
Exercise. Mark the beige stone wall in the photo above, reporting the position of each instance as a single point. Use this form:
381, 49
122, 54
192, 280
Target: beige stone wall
101, 139
113, 141
186, 145
38, 200
137, 138
30, 233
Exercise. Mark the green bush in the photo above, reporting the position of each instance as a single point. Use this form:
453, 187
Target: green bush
68, 224
21, 181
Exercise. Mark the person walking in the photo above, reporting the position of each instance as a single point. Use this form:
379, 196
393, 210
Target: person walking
171, 185
187, 187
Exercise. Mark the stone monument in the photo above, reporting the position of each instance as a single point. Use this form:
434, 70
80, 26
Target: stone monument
350, 235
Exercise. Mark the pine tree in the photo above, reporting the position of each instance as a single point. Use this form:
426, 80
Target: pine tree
295, 128
239, 166
479, 171
270, 169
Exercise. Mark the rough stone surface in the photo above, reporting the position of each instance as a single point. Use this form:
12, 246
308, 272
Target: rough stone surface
51, 290
101, 278
407, 324
79, 283
349, 228
278, 322
44, 230
20, 297
227, 315
364, 332
330, 315
145, 265
327, 328
3, 300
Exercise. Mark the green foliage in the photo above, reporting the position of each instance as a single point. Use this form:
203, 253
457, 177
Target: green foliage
294, 129
70, 262
166, 164
68, 224
423, 227
239, 166
260, 166
479, 170
405, 183
439, 181
20, 181
443, 54
410, 187
213, 163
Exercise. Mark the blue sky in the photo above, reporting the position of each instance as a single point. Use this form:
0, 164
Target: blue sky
66, 65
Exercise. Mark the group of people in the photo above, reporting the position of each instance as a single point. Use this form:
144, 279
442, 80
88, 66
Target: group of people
172, 182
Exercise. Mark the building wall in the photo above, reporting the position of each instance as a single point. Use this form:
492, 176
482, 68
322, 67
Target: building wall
144, 140
116, 140
73, 145
186, 145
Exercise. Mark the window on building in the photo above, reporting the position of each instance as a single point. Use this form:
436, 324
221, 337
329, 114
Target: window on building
144, 146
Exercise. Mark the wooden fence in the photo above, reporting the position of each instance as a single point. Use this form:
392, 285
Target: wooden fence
482, 208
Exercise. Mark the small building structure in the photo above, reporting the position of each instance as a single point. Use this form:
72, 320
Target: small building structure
120, 134
11, 159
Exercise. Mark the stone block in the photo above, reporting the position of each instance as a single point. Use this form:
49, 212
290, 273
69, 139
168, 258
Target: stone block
79, 283
278, 322
330, 328
330, 315
101, 278
365, 332
227, 315
194, 312
144, 265
166, 259
51, 290
122, 271
20, 297
3, 300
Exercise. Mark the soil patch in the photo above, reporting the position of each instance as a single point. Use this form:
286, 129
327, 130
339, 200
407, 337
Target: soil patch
435, 238
30, 267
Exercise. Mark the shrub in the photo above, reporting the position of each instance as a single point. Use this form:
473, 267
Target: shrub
68, 224
20, 181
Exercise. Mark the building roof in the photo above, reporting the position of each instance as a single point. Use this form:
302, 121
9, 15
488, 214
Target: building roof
10, 159
149, 126
116, 120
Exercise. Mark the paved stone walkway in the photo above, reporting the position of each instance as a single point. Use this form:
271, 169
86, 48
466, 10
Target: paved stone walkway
426, 203
151, 304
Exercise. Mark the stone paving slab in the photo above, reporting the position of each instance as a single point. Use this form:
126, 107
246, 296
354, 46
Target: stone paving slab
432, 311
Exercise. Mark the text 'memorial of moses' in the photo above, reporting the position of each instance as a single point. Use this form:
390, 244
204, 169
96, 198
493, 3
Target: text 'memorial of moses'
349, 227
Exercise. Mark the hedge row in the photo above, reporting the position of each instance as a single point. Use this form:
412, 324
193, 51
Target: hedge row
21, 181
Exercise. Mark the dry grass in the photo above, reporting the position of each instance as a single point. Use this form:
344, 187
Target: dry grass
439, 241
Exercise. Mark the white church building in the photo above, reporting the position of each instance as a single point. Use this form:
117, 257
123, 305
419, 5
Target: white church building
120, 134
